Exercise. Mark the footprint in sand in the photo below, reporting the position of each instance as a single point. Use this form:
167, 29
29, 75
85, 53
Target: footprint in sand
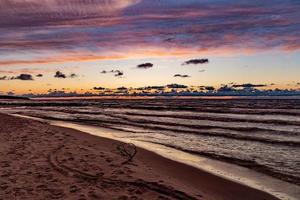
41, 187
3, 186
74, 189
118, 172
138, 191
71, 159
5, 164
56, 193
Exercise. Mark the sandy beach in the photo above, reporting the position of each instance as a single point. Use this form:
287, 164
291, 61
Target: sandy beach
39, 161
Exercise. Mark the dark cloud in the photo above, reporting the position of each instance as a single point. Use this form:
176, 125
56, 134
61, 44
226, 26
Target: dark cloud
10, 93
23, 77
225, 88
99, 88
176, 86
249, 85
209, 88
39, 75
145, 66
2, 78
181, 75
59, 74
73, 75
196, 61
169, 40
151, 88
155, 87
122, 88
117, 73
202, 70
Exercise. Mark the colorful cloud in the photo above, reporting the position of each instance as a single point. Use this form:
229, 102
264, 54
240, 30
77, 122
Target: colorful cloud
43, 31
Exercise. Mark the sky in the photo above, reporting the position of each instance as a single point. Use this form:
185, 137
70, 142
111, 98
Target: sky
77, 45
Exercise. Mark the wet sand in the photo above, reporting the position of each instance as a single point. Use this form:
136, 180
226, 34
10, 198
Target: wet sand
39, 161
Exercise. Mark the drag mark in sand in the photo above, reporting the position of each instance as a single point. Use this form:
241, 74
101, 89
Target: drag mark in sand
127, 150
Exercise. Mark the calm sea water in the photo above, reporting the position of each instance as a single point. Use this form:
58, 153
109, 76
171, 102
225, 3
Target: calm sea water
263, 135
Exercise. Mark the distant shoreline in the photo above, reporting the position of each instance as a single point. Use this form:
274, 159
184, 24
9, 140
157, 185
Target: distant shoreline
164, 97
13, 97
213, 97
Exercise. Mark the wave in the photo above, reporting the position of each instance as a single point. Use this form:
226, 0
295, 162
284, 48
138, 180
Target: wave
251, 133
251, 164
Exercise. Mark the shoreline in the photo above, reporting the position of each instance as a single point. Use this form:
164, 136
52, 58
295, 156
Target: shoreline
236, 173
148, 171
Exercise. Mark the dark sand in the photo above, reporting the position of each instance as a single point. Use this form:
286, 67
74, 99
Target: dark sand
39, 161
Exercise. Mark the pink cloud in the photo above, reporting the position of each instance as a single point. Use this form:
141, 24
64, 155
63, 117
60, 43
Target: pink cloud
115, 29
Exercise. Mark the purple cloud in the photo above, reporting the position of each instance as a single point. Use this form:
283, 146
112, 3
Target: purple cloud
39, 27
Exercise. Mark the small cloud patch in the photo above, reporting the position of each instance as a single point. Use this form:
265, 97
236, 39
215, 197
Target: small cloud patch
23, 77
117, 73
176, 86
182, 75
196, 61
249, 85
145, 66
2, 78
99, 88
73, 75
59, 74
122, 88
